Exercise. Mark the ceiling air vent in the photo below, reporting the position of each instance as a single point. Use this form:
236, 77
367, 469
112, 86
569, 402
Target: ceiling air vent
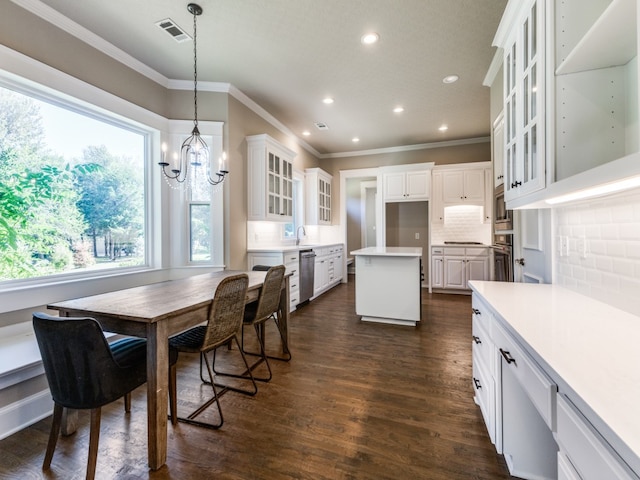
321, 126
174, 30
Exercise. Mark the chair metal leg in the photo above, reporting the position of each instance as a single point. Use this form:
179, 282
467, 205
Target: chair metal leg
127, 402
53, 436
246, 375
285, 345
94, 437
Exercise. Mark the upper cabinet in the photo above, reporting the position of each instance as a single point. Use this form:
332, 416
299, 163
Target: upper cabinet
318, 197
463, 187
596, 83
524, 97
406, 184
571, 98
270, 179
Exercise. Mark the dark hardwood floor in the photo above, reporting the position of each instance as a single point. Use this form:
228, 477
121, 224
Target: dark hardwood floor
357, 401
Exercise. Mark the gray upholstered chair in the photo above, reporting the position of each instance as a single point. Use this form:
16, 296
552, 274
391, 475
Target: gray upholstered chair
85, 372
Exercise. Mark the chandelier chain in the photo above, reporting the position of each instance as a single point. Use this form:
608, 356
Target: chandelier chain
195, 71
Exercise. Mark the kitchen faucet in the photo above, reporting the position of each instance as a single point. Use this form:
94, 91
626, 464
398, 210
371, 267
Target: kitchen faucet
298, 234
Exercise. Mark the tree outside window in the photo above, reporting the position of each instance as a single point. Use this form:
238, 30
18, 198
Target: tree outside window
71, 191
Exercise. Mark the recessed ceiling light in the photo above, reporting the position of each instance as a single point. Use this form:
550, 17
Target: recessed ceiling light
398, 110
369, 38
306, 133
355, 139
443, 128
327, 100
450, 79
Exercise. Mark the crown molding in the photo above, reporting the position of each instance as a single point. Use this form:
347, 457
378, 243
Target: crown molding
408, 148
87, 36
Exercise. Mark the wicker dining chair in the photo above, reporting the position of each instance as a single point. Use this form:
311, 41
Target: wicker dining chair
84, 371
257, 313
223, 325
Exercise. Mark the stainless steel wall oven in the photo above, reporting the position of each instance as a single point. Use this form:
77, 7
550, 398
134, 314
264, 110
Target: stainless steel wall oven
503, 217
502, 257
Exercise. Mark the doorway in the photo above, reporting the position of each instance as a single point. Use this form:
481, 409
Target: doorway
368, 199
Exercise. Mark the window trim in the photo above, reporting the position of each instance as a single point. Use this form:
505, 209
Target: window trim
28, 76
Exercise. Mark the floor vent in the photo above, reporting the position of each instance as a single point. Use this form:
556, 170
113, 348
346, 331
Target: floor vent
174, 30
321, 126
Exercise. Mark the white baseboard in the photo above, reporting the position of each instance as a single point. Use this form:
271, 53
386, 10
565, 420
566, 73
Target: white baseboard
25, 412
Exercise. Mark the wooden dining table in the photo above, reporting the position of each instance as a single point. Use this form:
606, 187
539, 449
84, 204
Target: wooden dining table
156, 312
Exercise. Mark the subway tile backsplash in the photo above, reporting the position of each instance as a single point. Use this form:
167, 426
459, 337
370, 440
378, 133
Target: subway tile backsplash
610, 269
462, 223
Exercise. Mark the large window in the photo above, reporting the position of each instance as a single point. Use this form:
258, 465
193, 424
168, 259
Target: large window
72, 189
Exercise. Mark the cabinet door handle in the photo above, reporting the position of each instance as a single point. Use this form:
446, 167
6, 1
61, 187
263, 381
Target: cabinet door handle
477, 340
476, 311
507, 356
476, 382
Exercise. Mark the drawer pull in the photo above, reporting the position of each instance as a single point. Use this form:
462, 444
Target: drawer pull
507, 356
476, 382
476, 311
477, 340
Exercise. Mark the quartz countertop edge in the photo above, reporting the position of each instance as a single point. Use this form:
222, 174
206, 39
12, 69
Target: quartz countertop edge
290, 248
590, 345
389, 252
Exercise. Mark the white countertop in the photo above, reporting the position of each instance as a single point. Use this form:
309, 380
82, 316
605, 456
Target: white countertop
389, 251
593, 347
288, 248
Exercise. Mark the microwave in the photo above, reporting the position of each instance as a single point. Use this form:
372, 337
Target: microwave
503, 217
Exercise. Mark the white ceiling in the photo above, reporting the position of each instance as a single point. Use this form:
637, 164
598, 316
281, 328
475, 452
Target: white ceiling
287, 55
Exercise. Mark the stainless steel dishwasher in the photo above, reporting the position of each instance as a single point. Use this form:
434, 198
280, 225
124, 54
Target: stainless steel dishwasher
307, 267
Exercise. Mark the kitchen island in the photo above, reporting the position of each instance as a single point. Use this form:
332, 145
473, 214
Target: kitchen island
388, 284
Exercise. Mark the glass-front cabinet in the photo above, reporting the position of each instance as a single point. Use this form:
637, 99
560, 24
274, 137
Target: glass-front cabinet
270, 179
318, 197
524, 94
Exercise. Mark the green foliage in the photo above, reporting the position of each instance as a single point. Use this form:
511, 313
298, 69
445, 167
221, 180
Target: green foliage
47, 205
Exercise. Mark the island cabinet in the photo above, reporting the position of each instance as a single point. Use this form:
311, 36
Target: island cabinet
270, 179
557, 386
388, 284
318, 197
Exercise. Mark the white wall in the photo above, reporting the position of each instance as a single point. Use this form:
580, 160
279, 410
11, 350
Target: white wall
462, 223
611, 229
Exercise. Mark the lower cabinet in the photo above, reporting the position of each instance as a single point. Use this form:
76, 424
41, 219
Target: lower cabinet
539, 430
292, 263
329, 268
454, 267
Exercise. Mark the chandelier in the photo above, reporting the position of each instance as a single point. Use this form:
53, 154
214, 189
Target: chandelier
194, 152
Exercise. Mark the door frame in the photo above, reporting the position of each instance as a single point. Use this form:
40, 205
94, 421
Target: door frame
364, 186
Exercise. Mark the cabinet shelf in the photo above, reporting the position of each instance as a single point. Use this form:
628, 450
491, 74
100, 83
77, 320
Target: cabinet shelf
611, 41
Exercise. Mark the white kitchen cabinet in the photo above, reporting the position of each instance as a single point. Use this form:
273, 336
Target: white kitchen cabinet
437, 205
546, 421
488, 197
497, 151
291, 261
596, 83
409, 186
463, 264
318, 197
270, 179
328, 268
437, 267
523, 41
463, 187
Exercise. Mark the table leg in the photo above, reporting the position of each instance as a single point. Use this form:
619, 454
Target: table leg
157, 392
